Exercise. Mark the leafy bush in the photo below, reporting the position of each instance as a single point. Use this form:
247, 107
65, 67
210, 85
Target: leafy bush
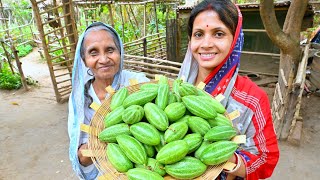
24, 50
8, 80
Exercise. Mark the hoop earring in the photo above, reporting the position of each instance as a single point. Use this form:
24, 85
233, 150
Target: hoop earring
89, 72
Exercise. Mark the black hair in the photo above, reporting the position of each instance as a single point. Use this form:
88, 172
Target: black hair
226, 10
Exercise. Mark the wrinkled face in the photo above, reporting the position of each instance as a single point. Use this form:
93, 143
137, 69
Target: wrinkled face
210, 40
101, 54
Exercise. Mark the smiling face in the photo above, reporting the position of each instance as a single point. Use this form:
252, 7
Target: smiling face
101, 55
210, 40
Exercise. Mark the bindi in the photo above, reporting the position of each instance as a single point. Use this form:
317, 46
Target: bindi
207, 25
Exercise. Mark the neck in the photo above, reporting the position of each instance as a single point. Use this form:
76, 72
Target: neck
99, 87
202, 75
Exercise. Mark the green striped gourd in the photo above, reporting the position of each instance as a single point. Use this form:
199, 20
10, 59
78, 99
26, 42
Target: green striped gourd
143, 174
175, 111
198, 125
172, 98
156, 116
132, 148
172, 152
145, 133
175, 86
199, 106
109, 134
218, 152
150, 150
114, 117
133, 114
149, 87
193, 140
139, 98
175, 131
187, 168
163, 96
218, 133
184, 119
118, 98
117, 158
202, 147
155, 166
186, 89
220, 120
162, 142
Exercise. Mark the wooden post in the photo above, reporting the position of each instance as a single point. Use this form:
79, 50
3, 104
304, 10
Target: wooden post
23, 79
144, 19
130, 21
71, 30
155, 16
122, 21
134, 17
111, 15
8, 56
145, 53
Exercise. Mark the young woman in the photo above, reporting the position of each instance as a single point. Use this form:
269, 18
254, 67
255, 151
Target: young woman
213, 56
98, 63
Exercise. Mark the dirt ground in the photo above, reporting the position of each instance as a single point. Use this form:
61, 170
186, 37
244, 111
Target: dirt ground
34, 138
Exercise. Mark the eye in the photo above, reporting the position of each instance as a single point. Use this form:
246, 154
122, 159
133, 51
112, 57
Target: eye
93, 53
219, 34
198, 34
110, 50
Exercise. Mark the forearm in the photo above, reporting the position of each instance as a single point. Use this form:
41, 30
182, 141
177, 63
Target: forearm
240, 168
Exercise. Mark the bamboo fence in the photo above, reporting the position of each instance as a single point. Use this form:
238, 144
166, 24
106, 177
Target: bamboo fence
58, 33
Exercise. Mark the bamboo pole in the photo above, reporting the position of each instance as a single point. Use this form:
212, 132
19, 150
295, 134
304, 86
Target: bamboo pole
111, 15
144, 19
134, 17
122, 21
71, 31
8, 57
23, 79
154, 59
302, 67
130, 21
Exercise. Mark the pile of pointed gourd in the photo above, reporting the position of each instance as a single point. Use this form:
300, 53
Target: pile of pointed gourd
159, 130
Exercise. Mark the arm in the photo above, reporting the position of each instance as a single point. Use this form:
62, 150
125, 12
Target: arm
261, 155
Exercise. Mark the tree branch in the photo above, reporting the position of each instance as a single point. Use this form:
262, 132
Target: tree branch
277, 36
294, 18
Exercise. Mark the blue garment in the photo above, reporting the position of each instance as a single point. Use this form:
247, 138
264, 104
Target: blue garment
316, 38
78, 113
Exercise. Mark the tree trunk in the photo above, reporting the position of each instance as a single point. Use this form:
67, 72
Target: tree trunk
287, 39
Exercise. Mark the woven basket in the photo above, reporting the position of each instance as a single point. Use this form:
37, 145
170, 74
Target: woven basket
98, 148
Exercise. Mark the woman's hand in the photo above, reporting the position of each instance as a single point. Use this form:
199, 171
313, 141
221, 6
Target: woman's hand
84, 161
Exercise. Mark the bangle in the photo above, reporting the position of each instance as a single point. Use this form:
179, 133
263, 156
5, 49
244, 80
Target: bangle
238, 162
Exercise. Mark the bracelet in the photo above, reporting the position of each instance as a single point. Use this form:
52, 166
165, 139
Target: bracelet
238, 161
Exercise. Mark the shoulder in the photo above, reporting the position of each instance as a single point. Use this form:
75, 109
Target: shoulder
247, 92
139, 76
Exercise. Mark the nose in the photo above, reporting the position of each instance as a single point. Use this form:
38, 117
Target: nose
104, 58
208, 42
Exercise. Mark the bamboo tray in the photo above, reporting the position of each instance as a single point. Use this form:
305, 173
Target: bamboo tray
98, 149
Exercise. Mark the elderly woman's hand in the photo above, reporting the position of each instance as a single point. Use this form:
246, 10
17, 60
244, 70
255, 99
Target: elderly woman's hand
84, 161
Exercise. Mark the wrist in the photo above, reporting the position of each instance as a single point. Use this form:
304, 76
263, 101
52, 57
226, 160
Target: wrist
236, 159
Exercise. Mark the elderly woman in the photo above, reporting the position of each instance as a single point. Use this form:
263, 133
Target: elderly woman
98, 63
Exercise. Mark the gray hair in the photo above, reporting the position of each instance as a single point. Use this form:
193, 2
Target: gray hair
98, 28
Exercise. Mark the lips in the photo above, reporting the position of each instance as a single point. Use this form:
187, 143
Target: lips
207, 56
105, 67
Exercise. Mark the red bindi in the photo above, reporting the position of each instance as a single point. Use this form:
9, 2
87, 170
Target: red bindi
207, 25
